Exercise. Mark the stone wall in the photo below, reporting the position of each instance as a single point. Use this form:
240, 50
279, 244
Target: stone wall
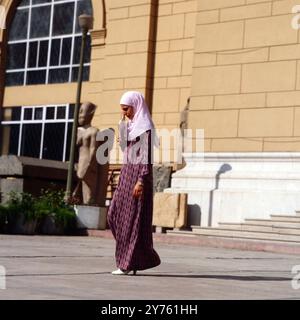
237, 59
245, 87
162, 69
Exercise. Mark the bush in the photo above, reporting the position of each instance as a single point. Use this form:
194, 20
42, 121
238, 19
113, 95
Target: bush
51, 205
3, 218
20, 213
46, 214
21, 204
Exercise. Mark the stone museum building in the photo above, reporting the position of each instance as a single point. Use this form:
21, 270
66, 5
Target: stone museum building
235, 63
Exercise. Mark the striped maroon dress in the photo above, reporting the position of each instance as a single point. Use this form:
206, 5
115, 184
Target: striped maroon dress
129, 218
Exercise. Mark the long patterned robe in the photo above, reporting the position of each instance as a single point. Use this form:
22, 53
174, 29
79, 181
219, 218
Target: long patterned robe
129, 218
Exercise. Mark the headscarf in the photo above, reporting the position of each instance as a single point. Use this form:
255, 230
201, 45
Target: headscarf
142, 120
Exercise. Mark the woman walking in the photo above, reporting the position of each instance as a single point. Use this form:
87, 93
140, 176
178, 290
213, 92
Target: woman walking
130, 212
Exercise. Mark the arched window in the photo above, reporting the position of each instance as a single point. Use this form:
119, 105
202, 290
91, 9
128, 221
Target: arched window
44, 42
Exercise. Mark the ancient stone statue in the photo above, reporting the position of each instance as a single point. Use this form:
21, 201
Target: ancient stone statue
184, 117
92, 184
183, 126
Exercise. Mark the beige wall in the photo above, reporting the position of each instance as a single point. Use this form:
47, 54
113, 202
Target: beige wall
123, 62
174, 60
237, 59
245, 87
127, 51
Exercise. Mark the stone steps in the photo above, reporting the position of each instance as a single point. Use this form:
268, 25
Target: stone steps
280, 232
195, 235
278, 223
281, 229
238, 243
242, 235
258, 235
278, 217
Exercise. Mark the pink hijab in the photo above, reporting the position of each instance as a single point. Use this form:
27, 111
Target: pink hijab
142, 120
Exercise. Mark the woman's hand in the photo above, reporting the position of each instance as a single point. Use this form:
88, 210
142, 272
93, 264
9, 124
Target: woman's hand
138, 189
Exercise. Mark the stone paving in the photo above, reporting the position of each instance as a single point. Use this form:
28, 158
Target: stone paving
46, 267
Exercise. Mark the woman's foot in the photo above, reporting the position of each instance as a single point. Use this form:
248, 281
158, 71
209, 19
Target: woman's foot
121, 272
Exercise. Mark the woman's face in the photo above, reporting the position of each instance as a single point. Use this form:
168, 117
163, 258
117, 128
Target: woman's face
127, 111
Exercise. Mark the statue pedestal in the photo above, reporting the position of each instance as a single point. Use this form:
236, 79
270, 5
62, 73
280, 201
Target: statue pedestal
89, 217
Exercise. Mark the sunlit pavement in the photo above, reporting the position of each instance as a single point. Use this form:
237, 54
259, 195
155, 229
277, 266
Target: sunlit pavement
45, 267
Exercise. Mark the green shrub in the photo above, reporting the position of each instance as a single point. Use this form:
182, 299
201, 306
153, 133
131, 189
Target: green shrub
18, 213
23, 208
66, 217
51, 204
20, 204
3, 218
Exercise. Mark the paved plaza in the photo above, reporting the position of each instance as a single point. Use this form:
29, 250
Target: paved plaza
46, 267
